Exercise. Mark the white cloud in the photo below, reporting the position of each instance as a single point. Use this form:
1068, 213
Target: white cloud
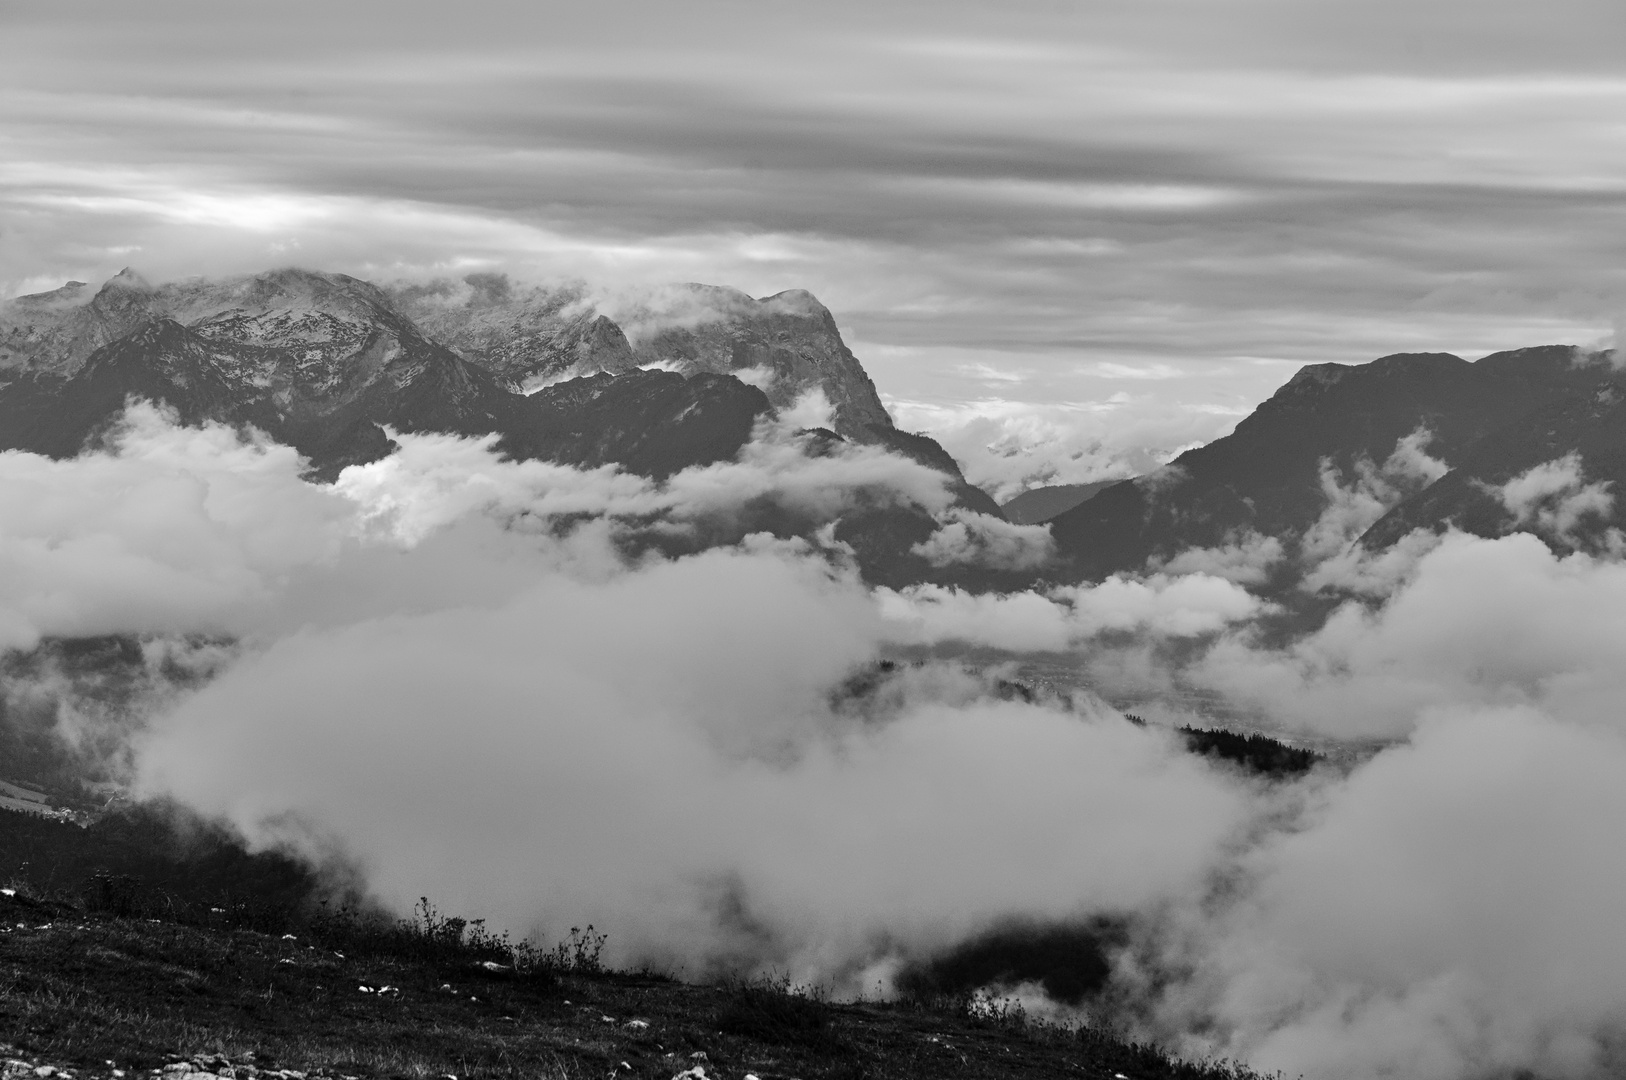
1369, 494
1474, 622
978, 539
178, 530
685, 703
1160, 606
1006, 446
1447, 912
1554, 498
1248, 560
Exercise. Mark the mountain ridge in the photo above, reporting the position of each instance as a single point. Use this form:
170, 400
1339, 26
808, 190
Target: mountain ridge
329, 364
1269, 476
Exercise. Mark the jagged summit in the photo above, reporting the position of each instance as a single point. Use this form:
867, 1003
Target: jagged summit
787, 343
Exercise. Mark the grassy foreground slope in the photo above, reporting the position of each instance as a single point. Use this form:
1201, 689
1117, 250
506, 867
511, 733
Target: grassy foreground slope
99, 983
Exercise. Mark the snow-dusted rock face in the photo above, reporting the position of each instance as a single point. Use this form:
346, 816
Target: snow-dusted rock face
310, 338
307, 337
55, 332
787, 343
526, 337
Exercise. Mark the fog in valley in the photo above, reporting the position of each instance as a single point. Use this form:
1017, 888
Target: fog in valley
445, 672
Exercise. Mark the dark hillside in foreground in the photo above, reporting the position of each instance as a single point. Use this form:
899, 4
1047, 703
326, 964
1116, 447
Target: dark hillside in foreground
93, 992
172, 860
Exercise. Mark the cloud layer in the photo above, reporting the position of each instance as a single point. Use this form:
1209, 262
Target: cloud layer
445, 671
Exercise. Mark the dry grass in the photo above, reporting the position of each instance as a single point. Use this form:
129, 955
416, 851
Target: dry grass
81, 988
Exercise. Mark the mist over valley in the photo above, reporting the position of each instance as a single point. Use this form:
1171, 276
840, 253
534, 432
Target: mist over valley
563, 605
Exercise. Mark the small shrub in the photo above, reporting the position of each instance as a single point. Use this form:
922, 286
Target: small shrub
579, 953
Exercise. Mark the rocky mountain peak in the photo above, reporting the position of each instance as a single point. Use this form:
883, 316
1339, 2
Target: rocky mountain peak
786, 343
529, 336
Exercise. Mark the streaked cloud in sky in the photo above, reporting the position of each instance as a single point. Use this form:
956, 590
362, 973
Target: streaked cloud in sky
1139, 215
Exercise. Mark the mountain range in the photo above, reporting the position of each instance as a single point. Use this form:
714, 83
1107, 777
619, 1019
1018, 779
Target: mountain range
325, 362
1531, 439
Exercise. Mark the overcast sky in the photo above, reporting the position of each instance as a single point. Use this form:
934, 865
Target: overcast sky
1105, 227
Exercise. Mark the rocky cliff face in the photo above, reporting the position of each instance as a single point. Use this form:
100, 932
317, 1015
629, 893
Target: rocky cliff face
787, 343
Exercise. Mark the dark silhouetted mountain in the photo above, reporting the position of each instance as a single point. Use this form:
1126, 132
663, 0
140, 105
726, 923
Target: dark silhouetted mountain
1588, 421
1036, 506
1487, 420
654, 423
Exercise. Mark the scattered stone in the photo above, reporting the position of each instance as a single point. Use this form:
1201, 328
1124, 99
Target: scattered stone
637, 1025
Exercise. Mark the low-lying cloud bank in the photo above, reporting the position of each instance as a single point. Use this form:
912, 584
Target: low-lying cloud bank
448, 671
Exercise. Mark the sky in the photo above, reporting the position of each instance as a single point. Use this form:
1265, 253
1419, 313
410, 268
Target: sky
1069, 239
